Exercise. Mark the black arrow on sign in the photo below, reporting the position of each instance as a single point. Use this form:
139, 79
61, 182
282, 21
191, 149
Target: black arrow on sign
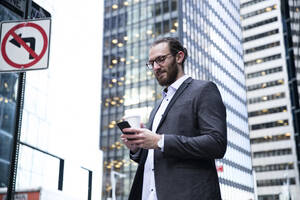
29, 40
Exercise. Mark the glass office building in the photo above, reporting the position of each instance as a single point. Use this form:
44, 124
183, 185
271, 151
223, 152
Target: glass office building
272, 134
211, 31
8, 93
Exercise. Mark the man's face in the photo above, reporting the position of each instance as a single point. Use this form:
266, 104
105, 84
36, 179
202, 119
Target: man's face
167, 71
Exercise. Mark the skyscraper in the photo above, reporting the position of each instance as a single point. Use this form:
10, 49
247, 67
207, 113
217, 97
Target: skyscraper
271, 121
211, 31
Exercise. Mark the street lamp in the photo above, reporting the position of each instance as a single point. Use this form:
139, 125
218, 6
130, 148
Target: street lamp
113, 180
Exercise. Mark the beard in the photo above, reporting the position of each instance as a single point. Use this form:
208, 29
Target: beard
171, 73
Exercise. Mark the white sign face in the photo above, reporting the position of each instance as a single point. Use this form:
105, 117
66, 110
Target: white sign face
24, 45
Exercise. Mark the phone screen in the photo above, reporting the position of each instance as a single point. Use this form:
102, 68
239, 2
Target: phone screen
124, 124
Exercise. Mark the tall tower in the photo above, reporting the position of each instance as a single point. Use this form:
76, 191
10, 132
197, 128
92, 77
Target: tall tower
271, 122
211, 31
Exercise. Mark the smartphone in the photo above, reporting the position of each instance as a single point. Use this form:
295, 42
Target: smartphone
124, 124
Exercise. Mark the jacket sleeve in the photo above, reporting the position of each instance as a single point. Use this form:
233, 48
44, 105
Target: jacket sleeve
210, 141
136, 156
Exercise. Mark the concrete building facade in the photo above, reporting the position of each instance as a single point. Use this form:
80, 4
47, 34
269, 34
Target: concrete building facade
271, 125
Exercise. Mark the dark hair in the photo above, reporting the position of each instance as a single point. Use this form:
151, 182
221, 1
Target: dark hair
174, 45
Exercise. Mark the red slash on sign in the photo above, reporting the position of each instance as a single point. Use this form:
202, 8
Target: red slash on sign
19, 41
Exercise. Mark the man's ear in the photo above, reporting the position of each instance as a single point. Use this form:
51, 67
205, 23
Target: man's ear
180, 57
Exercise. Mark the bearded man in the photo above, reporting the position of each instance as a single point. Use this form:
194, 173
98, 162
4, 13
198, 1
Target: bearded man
186, 133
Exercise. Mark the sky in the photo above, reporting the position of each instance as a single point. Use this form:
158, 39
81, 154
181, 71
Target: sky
75, 68
74, 85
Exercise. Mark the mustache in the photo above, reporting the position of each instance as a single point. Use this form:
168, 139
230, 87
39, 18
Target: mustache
159, 71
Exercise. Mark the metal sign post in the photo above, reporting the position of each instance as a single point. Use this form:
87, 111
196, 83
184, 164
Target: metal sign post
17, 131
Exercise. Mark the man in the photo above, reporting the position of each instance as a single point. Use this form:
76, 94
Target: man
187, 131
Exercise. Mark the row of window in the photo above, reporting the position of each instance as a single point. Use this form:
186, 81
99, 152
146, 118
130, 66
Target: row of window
261, 35
267, 111
150, 31
262, 47
262, 60
275, 182
114, 6
295, 32
295, 9
296, 44
268, 197
270, 138
126, 19
260, 11
264, 72
273, 124
156, 9
249, 3
265, 85
163, 7
270, 153
260, 23
274, 167
266, 98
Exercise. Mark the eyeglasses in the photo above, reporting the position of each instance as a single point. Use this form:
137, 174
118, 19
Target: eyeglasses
159, 60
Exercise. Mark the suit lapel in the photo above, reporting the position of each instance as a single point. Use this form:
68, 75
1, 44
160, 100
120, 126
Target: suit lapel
173, 100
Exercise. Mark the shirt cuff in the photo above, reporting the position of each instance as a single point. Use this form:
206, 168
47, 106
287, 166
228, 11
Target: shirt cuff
161, 143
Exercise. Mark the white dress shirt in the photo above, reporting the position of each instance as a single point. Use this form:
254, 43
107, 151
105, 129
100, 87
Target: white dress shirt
149, 190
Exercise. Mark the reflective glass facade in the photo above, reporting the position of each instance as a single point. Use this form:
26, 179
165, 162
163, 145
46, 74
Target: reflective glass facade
211, 31
8, 93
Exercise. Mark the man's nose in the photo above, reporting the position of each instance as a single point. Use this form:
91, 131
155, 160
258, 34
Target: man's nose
156, 66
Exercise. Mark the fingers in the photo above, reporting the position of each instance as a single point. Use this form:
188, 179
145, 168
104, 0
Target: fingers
131, 130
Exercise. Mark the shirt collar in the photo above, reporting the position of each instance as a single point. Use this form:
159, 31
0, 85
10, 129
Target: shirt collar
174, 86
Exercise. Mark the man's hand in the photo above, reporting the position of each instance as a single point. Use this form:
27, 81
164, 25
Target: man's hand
132, 147
143, 138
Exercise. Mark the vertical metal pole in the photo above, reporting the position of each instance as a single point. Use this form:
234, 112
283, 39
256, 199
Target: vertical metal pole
16, 138
61, 174
18, 123
90, 185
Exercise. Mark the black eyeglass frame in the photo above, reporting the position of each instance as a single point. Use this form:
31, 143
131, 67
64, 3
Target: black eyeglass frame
158, 60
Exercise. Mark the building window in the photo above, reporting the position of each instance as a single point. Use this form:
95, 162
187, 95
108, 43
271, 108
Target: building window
261, 23
262, 60
274, 182
275, 167
262, 47
267, 111
260, 11
271, 153
265, 85
268, 197
279, 95
261, 35
270, 138
273, 124
249, 3
264, 72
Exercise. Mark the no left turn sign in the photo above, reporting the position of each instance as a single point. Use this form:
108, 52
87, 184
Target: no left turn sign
25, 45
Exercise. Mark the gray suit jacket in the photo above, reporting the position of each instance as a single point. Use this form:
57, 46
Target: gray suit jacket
194, 125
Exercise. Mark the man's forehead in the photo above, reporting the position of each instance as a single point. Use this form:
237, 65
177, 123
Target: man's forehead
159, 49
